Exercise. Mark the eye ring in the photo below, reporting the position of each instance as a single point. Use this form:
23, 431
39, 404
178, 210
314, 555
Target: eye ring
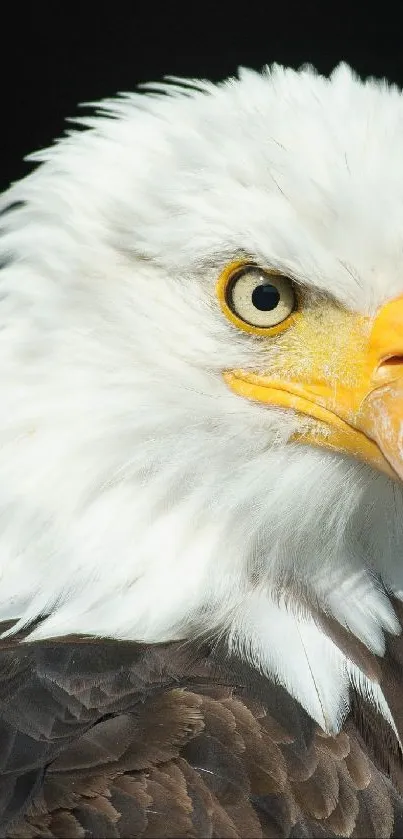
257, 300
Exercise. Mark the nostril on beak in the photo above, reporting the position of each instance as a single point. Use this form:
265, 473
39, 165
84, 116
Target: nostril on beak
393, 360
389, 369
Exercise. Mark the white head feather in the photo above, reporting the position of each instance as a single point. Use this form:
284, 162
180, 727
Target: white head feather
139, 497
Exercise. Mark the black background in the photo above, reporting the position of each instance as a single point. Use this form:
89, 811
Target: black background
52, 57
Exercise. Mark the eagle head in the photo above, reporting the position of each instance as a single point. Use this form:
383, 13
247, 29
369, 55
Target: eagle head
201, 367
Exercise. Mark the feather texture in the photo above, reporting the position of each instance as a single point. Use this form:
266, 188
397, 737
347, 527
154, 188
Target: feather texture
138, 741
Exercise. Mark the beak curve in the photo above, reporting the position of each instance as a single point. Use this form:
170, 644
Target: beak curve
380, 415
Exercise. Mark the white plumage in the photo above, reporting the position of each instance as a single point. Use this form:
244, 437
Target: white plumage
139, 497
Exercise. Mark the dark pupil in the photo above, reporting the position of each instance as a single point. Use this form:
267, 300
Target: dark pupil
265, 297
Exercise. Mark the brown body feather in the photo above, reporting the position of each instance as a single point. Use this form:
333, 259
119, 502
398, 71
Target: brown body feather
113, 739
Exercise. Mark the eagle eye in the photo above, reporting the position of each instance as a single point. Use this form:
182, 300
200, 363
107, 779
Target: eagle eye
256, 299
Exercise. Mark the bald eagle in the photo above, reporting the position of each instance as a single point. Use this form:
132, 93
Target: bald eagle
201, 465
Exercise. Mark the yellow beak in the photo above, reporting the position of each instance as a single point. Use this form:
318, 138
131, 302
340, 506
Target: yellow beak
358, 410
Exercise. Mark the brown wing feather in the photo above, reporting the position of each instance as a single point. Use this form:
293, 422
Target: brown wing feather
114, 739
